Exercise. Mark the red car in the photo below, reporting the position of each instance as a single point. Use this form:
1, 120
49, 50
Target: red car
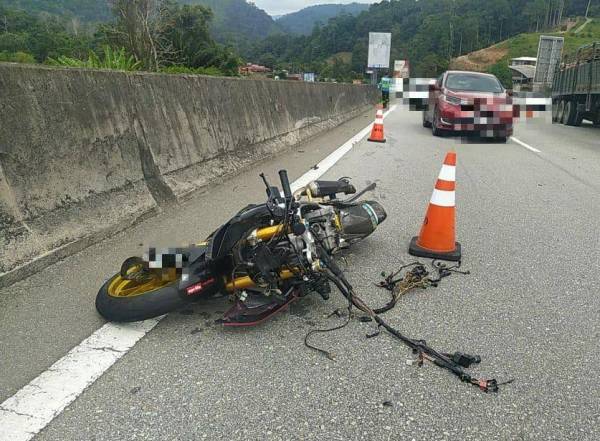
469, 102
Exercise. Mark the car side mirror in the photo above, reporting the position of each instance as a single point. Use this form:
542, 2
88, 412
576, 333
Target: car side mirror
509, 92
434, 88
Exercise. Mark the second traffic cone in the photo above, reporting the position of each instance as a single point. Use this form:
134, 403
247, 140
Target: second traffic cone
437, 239
377, 131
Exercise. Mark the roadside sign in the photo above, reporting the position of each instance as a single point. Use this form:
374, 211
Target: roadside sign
401, 69
309, 77
380, 44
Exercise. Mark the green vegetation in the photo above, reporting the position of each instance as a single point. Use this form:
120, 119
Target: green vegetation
84, 10
171, 35
17, 57
212, 71
188, 36
428, 33
38, 37
526, 45
111, 59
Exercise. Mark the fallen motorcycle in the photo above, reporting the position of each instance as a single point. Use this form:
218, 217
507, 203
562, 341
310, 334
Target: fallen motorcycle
266, 256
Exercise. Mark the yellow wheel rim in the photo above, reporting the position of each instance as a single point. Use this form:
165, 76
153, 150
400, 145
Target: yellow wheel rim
120, 287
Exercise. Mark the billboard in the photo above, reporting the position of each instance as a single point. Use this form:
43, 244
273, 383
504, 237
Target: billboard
549, 55
380, 44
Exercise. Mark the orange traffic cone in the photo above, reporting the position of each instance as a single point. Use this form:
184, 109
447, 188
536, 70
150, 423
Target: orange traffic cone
377, 132
437, 238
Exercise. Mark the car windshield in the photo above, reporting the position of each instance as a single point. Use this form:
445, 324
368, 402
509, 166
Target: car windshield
473, 83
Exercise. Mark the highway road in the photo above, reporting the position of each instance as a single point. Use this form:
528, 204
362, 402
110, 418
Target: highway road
528, 220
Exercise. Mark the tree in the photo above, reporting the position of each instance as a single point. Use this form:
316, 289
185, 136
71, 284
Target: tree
139, 28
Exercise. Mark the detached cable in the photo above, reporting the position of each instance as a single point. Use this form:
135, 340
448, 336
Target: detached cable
449, 362
328, 354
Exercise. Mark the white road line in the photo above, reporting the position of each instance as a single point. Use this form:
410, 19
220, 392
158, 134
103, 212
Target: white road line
322, 167
527, 146
33, 407
28, 411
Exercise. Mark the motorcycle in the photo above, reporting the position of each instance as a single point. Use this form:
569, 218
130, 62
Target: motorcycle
266, 256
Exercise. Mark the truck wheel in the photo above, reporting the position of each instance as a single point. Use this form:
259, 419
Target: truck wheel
554, 110
560, 111
572, 116
567, 118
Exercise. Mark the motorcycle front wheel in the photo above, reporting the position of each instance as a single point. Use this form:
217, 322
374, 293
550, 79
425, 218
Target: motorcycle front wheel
123, 300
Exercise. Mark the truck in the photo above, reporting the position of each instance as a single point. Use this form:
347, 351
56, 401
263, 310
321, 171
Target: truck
576, 88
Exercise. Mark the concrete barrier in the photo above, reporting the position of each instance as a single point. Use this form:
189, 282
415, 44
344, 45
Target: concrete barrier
86, 153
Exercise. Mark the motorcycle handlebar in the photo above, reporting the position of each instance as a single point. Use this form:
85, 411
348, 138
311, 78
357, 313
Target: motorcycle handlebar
285, 184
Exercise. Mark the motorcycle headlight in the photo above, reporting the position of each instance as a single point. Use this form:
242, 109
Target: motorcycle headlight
452, 100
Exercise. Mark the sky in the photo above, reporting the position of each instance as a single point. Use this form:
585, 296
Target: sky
279, 7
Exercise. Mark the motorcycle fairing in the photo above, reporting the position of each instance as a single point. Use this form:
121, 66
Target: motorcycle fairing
225, 237
255, 307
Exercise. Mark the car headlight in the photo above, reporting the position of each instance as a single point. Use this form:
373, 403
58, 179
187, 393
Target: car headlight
452, 100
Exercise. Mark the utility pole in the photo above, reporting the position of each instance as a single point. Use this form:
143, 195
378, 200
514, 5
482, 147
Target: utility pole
587, 10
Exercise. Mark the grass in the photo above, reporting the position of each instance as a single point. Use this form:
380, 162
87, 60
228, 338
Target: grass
111, 59
526, 45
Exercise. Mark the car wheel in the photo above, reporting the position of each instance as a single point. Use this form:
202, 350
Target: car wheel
434, 124
426, 123
501, 139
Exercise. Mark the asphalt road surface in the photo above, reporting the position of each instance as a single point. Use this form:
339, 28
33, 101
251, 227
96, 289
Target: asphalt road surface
530, 229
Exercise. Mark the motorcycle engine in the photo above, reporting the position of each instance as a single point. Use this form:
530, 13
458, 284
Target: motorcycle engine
322, 223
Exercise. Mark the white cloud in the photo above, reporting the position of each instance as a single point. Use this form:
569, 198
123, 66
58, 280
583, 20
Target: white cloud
278, 7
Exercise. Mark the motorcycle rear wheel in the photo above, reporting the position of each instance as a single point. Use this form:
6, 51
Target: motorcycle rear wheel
121, 300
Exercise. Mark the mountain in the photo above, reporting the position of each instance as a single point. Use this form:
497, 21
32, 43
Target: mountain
428, 33
303, 21
235, 22
238, 22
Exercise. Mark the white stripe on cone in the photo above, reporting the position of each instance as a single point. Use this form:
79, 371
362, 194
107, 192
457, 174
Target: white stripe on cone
443, 198
448, 173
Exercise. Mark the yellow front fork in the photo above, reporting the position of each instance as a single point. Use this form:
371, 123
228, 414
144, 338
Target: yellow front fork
246, 282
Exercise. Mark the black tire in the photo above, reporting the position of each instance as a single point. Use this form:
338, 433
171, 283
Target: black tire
560, 112
434, 129
572, 116
426, 123
578, 118
554, 111
142, 307
501, 139
569, 113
